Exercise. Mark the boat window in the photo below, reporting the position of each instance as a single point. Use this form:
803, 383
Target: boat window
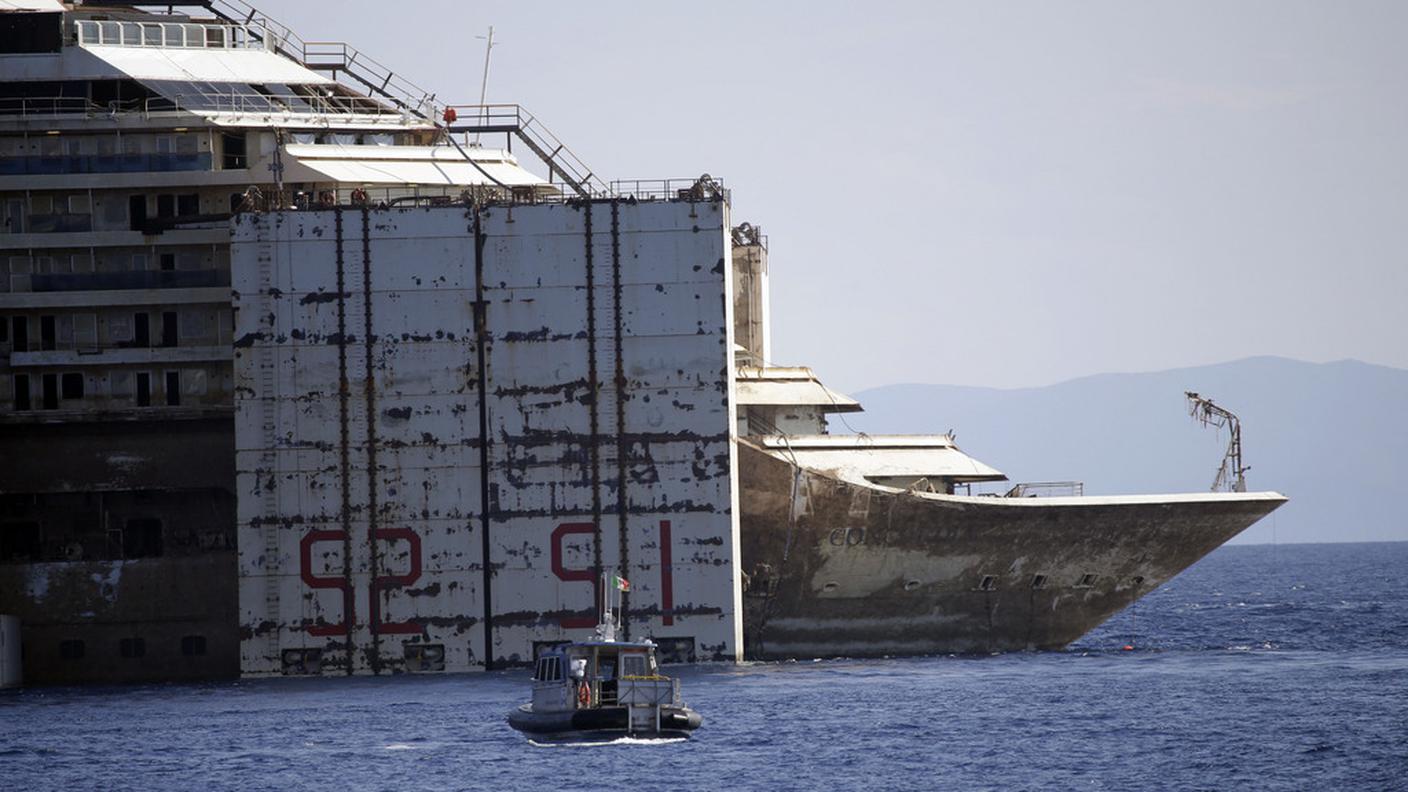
633, 665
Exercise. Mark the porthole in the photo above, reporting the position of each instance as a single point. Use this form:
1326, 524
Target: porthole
832, 586
911, 585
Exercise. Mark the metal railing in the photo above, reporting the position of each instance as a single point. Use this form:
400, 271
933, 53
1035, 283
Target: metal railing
648, 691
563, 164
1048, 489
702, 188
340, 59
250, 103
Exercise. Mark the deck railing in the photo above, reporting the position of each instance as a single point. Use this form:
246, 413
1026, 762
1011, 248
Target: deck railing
1049, 489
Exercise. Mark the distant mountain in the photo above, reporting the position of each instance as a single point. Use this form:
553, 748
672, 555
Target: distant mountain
1331, 436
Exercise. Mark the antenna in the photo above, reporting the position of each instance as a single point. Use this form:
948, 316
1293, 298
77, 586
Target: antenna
1231, 476
484, 83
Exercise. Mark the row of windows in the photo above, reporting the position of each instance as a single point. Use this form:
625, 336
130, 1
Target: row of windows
46, 213
77, 649
138, 537
120, 330
163, 258
49, 391
49, 146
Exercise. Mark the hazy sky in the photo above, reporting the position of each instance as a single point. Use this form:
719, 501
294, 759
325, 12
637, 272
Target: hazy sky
985, 193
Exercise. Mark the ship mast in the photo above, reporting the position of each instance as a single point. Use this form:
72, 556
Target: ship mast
1231, 476
484, 81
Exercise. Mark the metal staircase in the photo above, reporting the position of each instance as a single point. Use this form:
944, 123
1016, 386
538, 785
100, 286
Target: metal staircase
340, 60
360, 72
512, 119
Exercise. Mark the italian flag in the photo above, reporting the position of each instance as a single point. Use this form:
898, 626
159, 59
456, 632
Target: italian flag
621, 583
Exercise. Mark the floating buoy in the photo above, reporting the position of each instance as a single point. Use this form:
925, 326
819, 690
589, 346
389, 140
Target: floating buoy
1127, 648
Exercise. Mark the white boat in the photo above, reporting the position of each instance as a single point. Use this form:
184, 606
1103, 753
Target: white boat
603, 689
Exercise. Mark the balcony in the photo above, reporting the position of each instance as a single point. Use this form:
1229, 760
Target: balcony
139, 279
137, 356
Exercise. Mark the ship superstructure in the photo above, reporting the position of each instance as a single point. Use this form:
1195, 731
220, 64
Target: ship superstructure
128, 138
297, 377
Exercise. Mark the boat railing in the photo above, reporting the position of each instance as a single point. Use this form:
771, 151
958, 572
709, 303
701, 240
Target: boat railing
1048, 489
253, 102
364, 110
342, 61
697, 189
648, 691
339, 57
513, 120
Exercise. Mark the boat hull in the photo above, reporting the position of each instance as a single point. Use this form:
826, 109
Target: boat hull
601, 723
844, 568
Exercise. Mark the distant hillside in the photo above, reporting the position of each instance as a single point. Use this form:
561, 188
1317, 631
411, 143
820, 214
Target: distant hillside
1333, 437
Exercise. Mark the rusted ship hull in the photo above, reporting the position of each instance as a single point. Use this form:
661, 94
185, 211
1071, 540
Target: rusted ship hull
841, 568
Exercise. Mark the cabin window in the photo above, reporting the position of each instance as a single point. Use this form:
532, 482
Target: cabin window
988, 583
554, 669
234, 152
31, 32
549, 669
141, 538
633, 665
1086, 581
132, 647
21, 392
71, 650
193, 645
20, 541
1039, 581
71, 386
50, 383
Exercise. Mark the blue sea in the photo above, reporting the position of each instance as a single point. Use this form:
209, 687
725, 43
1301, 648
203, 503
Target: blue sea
1262, 667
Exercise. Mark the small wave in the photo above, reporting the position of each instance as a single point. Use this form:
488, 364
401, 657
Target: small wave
1321, 748
399, 747
601, 743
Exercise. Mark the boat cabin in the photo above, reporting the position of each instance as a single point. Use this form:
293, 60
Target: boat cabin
600, 674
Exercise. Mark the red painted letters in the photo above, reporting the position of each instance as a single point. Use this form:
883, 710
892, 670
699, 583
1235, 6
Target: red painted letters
570, 575
379, 584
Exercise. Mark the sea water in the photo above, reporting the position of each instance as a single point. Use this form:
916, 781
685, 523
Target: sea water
1263, 667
